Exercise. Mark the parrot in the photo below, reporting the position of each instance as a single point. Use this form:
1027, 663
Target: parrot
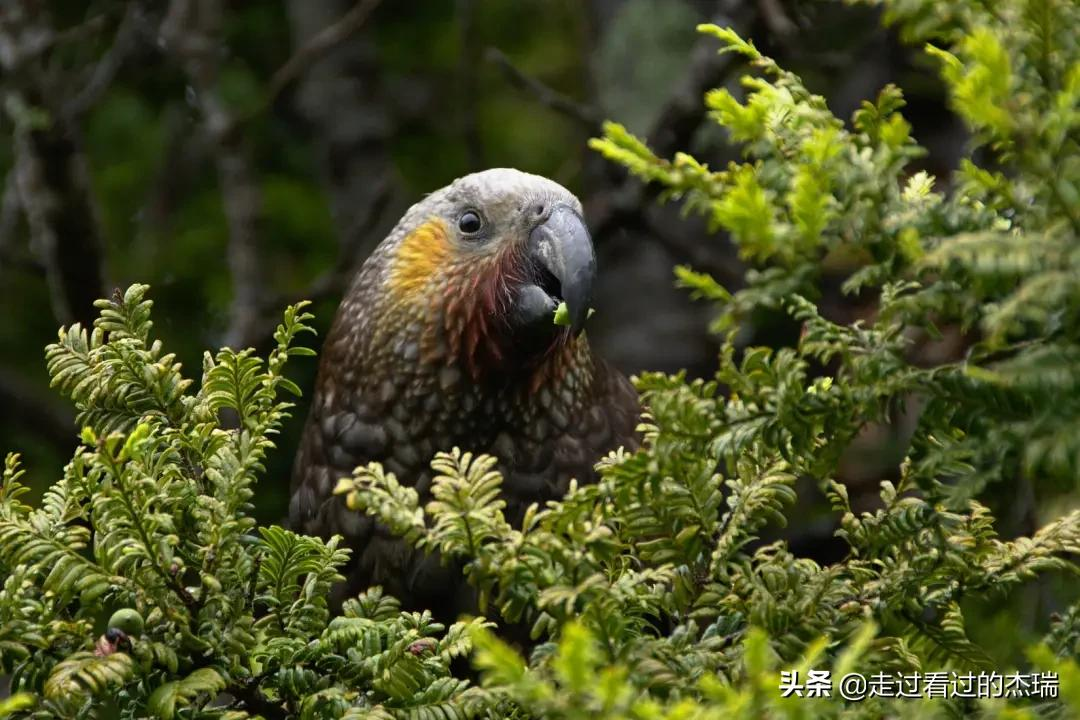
447, 336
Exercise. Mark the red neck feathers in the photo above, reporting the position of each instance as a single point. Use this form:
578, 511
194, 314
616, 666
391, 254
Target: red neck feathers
463, 301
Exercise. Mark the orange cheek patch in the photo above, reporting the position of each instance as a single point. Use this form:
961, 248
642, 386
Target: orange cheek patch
419, 258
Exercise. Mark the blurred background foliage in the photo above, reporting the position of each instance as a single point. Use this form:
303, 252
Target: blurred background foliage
240, 156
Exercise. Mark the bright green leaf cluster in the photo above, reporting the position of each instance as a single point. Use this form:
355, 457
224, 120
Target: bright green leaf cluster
141, 587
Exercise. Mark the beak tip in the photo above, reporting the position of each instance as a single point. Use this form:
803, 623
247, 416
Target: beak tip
562, 245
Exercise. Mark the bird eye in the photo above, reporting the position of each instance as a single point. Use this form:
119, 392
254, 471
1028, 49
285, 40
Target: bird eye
469, 222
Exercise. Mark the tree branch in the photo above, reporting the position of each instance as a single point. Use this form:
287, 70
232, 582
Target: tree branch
54, 190
672, 129
50, 168
191, 30
678, 120
319, 45
588, 116
347, 106
106, 69
776, 19
349, 257
24, 37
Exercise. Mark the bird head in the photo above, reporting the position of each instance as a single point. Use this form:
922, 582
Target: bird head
484, 263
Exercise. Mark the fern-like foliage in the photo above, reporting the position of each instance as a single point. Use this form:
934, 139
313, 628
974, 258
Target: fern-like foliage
152, 517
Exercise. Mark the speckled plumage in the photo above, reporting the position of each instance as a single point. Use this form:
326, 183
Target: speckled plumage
425, 354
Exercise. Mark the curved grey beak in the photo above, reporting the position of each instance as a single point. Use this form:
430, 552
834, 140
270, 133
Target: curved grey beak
562, 248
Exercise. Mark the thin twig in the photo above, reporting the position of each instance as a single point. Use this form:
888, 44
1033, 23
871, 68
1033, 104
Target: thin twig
54, 191
545, 95
192, 36
83, 31
345, 101
674, 126
50, 167
319, 46
778, 22
23, 38
106, 69
244, 214
625, 201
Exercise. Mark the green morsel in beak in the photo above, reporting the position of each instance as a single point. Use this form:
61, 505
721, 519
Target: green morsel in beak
562, 315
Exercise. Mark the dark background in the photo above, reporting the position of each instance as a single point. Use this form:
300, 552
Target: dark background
240, 156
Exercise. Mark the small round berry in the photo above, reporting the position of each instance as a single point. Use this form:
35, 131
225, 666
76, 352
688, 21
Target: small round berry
127, 620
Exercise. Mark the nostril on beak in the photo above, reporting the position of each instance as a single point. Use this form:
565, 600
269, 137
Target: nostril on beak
538, 210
